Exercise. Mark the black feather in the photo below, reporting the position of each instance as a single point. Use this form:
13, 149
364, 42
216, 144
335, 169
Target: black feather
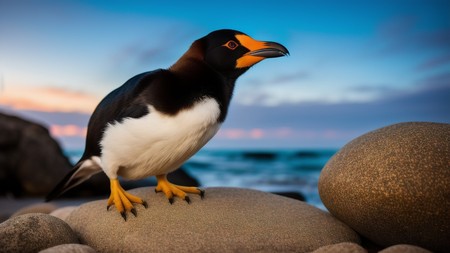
71, 179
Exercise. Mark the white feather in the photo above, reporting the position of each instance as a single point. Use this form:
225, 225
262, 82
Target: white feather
157, 143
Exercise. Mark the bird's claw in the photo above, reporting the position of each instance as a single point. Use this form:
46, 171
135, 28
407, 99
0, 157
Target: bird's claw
202, 193
124, 215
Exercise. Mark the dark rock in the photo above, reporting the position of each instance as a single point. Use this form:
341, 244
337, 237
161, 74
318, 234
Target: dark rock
226, 220
292, 195
181, 177
32, 162
392, 185
69, 248
307, 154
259, 155
34, 232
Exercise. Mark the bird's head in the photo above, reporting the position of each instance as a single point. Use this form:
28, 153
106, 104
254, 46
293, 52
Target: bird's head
232, 52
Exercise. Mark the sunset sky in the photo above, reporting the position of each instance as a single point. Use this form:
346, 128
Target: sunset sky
354, 66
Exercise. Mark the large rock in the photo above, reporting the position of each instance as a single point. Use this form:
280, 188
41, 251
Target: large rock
69, 248
392, 185
32, 162
343, 247
34, 232
226, 220
36, 208
404, 248
63, 212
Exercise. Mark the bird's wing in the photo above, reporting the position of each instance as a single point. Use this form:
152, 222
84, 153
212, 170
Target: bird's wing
123, 102
81, 172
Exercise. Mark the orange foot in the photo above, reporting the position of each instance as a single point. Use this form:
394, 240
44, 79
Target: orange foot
123, 200
170, 189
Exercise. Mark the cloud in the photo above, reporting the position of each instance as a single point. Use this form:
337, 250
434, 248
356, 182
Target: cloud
398, 26
403, 34
49, 99
68, 131
434, 63
427, 102
158, 50
295, 124
280, 78
435, 39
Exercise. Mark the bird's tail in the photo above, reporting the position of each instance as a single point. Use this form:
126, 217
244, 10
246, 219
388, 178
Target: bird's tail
81, 172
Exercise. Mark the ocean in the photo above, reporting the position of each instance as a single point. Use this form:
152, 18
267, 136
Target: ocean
266, 170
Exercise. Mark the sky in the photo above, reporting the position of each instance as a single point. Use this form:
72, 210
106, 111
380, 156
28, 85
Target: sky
354, 66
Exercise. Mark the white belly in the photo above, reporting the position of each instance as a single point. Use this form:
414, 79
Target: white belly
157, 143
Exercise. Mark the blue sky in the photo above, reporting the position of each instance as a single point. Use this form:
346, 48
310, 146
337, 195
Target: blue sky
355, 65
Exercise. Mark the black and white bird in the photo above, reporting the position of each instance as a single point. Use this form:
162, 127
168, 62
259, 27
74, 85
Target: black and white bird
157, 120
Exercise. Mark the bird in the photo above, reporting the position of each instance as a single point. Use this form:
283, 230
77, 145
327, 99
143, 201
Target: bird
158, 119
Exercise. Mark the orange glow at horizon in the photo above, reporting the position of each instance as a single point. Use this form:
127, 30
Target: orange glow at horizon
68, 131
47, 99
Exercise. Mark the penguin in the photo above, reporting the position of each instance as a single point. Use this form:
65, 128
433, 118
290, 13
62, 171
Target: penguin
157, 120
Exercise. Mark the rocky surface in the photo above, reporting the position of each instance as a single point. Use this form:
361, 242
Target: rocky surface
404, 248
63, 212
227, 219
69, 248
36, 208
343, 247
32, 162
392, 185
34, 232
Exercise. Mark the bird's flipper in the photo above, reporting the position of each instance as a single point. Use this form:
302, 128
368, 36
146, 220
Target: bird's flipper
82, 171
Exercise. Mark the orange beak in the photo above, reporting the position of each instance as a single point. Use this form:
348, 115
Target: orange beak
259, 50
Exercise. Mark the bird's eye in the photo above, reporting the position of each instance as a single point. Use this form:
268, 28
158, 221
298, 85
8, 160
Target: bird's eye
231, 44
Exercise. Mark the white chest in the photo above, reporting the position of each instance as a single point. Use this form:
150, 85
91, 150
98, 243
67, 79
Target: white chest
158, 143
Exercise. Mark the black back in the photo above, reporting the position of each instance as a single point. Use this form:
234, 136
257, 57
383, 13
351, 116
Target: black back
166, 91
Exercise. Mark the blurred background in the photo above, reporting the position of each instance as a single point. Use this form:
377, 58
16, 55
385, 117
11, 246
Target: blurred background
355, 66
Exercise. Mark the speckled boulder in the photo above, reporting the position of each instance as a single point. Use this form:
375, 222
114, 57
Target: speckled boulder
392, 185
63, 212
34, 232
36, 208
343, 247
69, 248
226, 220
404, 248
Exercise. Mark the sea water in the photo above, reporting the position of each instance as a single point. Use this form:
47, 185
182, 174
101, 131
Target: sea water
265, 170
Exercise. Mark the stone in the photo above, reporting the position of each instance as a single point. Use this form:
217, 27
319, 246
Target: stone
34, 232
226, 220
404, 248
36, 208
32, 162
63, 212
69, 248
392, 185
343, 247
